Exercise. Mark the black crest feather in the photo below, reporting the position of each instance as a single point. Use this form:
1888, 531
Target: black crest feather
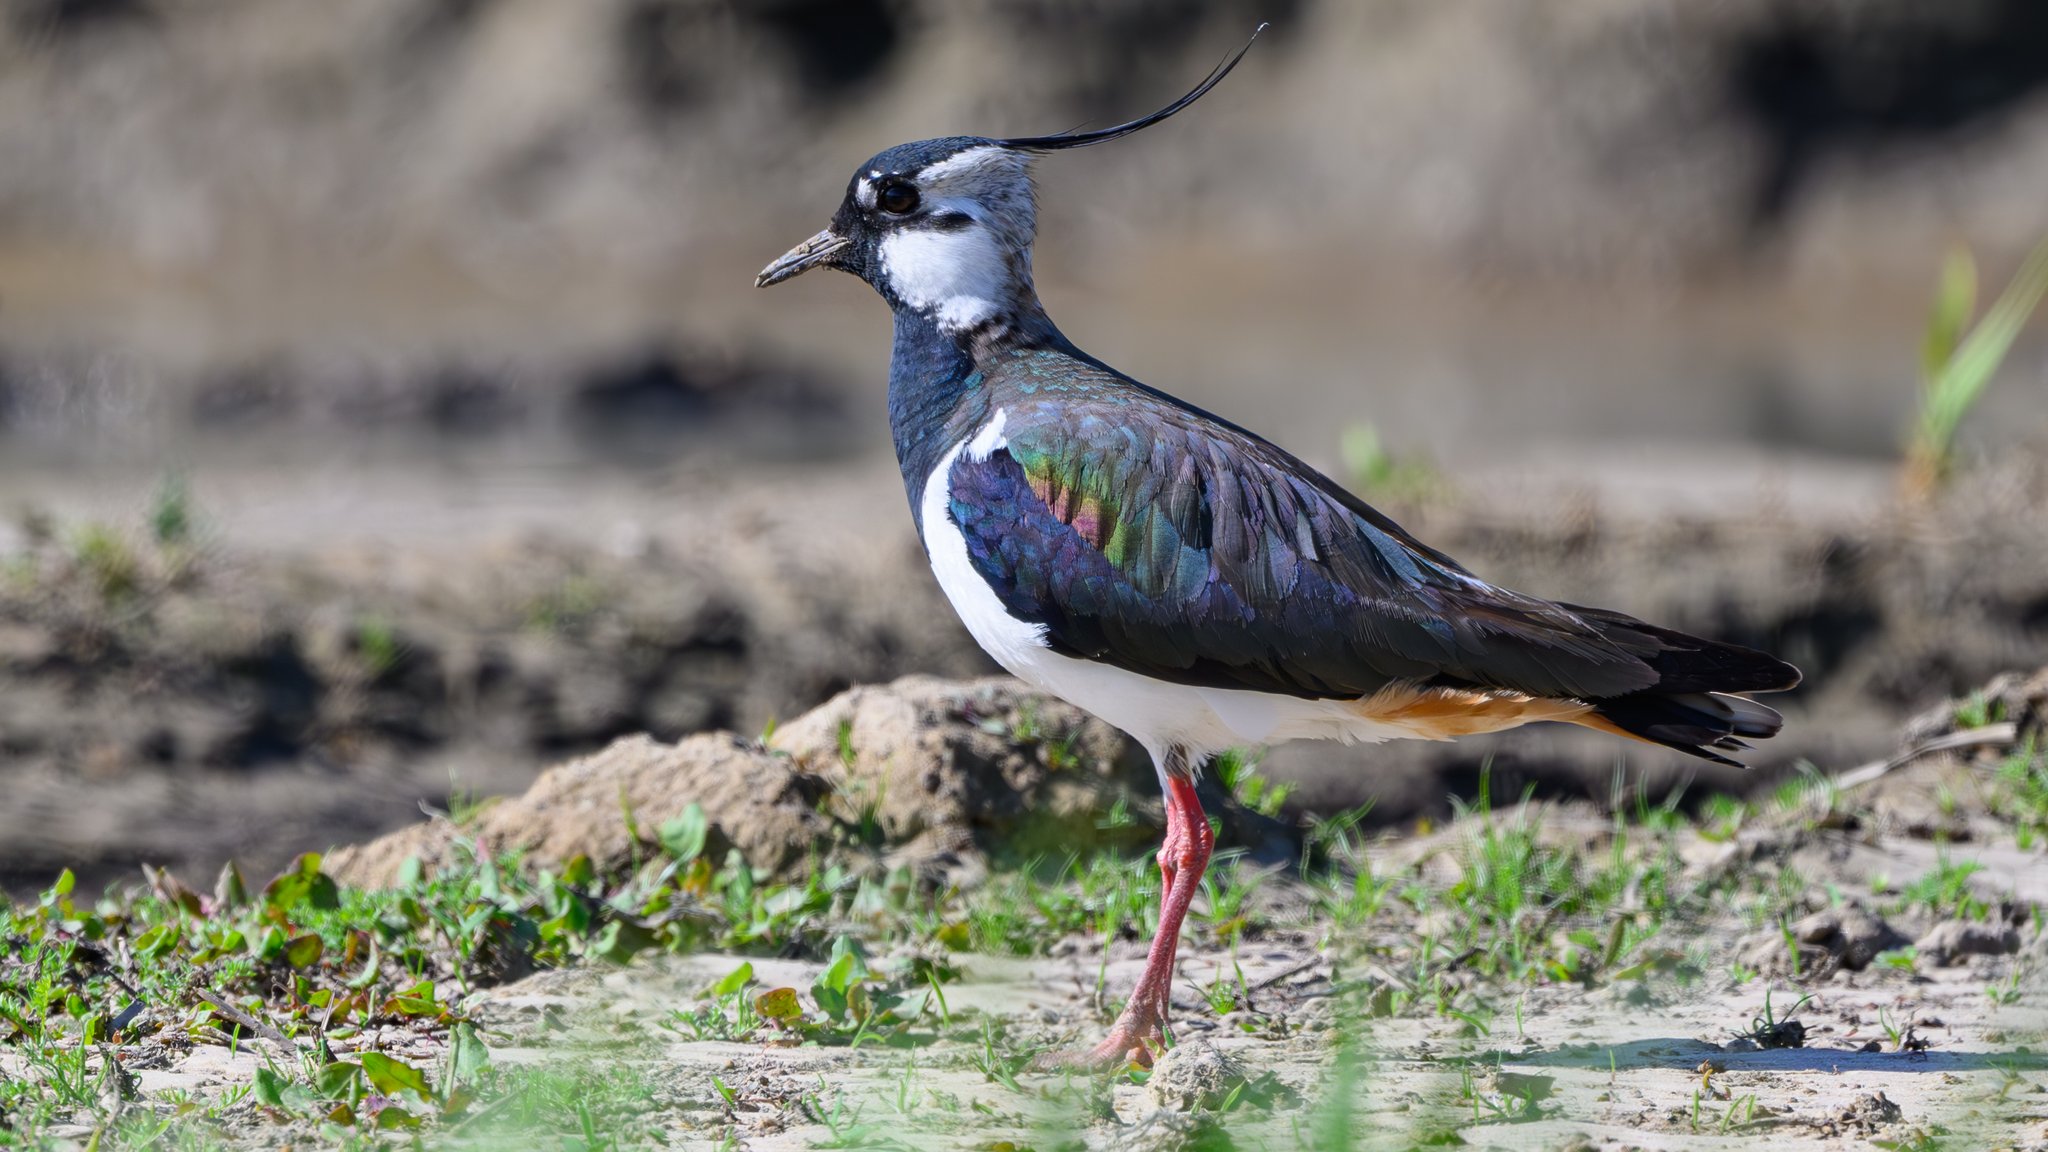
1103, 135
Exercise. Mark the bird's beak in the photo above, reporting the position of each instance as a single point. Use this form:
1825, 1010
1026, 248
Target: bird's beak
819, 249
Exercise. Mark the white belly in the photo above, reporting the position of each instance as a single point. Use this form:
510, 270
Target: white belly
1156, 713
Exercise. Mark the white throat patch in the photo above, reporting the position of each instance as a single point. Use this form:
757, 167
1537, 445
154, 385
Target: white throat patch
959, 276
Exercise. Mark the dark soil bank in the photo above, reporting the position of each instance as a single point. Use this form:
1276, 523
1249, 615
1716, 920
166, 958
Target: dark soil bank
179, 704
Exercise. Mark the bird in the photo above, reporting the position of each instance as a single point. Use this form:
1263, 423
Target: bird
1180, 577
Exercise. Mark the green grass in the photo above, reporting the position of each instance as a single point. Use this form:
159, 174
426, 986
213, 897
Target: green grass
117, 570
1958, 360
310, 958
106, 561
2019, 794
1944, 892
172, 519
1458, 934
1107, 896
315, 960
1379, 474
1237, 771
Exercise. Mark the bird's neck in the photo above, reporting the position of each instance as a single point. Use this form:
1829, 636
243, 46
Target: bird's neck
936, 397
931, 379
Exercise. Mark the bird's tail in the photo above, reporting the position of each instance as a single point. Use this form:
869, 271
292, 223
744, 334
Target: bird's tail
1693, 707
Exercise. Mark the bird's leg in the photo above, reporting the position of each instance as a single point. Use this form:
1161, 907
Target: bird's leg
1141, 1029
1171, 849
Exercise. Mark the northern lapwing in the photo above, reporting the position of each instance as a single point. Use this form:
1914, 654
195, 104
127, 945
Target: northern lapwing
1178, 576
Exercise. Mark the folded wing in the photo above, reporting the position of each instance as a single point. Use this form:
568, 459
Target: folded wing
1156, 538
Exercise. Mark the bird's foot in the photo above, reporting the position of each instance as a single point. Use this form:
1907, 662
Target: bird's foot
1137, 1036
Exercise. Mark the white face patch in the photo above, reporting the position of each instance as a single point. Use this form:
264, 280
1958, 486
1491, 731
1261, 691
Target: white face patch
958, 276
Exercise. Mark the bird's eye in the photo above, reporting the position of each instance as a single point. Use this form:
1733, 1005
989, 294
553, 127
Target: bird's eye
897, 199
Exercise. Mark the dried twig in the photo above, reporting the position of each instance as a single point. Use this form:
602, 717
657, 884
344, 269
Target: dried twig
1989, 734
255, 1026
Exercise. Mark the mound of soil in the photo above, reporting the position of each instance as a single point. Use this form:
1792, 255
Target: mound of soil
937, 776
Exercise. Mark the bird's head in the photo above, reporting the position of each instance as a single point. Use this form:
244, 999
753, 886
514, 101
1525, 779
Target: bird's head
944, 227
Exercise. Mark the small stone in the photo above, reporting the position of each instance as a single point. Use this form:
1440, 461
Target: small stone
1850, 934
1947, 943
1868, 1113
1192, 1074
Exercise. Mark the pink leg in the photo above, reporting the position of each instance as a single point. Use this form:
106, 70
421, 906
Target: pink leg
1141, 1029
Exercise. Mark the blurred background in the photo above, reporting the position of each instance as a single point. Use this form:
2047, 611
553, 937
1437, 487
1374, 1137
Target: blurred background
386, 412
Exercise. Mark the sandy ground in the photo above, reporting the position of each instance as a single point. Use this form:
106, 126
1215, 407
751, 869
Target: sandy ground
1647, 1066
1890, 1057
1627, 1068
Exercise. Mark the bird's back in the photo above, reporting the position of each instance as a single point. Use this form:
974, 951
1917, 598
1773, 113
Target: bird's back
1142, 533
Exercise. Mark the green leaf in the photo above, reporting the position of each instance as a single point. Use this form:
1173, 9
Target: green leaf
840, 975
155, 942
779, 1004
392, 1076
303, 952
1953, 389
835, 985
1635, 971
272, 946
337, 1081
368, 975
230, 891
734, 980
847, 948
411, 1006
619, 939
683, 837
467, 1054
270, 1086
830, 1000
302, 883
1985, 347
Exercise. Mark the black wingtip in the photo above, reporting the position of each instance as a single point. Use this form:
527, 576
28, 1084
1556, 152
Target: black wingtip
1103, 135
1695, 723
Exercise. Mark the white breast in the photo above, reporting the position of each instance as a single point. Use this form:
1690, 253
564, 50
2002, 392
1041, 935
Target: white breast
1156, 713
1012, 642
